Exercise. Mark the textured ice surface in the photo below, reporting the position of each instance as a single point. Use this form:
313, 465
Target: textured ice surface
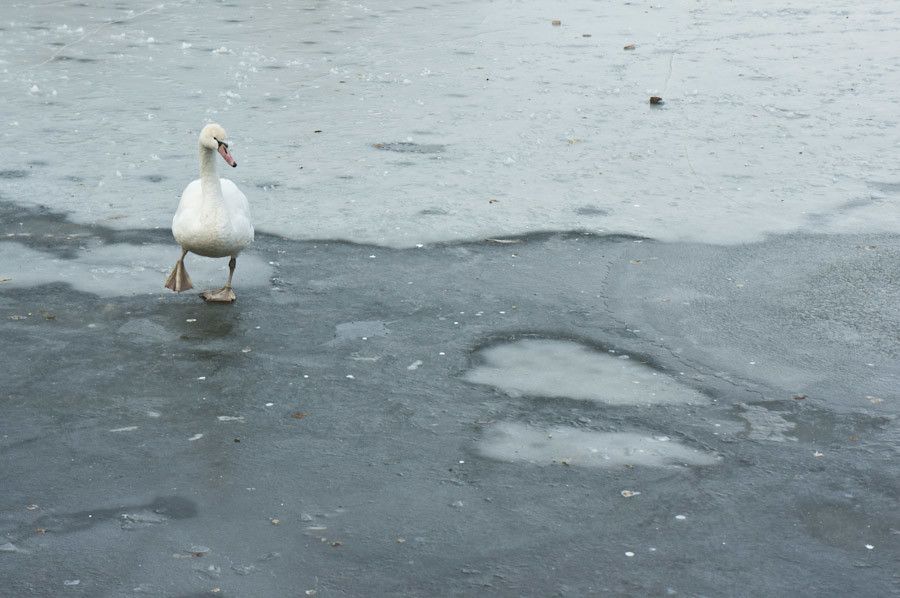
759, 133
763, 424
552, 368
519, 442
124, 269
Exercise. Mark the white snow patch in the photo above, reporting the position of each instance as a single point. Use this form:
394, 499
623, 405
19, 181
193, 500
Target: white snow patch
551, 368
515, 442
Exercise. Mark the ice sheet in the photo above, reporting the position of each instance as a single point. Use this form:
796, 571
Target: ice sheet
777, 117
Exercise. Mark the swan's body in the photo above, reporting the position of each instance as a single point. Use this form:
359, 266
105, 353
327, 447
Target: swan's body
213, 217
217, 227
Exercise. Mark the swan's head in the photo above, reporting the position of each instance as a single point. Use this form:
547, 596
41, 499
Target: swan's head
213, 137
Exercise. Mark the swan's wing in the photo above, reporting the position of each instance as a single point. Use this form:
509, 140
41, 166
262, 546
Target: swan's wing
238, 210
234, 198
191, 195
191, 199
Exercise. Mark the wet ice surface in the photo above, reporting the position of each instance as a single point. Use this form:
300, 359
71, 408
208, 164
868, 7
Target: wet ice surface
360, 123
367, 420
566, 369
288, 436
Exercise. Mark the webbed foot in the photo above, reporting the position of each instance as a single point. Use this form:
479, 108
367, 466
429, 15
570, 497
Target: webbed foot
223, 295
179, 280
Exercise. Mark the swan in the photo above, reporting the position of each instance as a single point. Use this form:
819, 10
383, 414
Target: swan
212, 219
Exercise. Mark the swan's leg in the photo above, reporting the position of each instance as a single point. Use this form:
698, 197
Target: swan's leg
179, 280
225, 294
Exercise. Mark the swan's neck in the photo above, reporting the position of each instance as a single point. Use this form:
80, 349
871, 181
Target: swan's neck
209, 178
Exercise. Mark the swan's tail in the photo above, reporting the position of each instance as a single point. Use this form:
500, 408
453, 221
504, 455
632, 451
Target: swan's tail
179, 280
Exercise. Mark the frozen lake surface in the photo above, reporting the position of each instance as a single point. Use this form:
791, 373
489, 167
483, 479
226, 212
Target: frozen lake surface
778, 116
507, 329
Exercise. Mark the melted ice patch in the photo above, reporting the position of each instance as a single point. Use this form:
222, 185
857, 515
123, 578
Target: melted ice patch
513, 442
566, 369
124, 269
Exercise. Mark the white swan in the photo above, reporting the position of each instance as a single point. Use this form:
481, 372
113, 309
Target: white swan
213, 217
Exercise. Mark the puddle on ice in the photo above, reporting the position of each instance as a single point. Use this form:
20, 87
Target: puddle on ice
123, 269
551, 368
513, 442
